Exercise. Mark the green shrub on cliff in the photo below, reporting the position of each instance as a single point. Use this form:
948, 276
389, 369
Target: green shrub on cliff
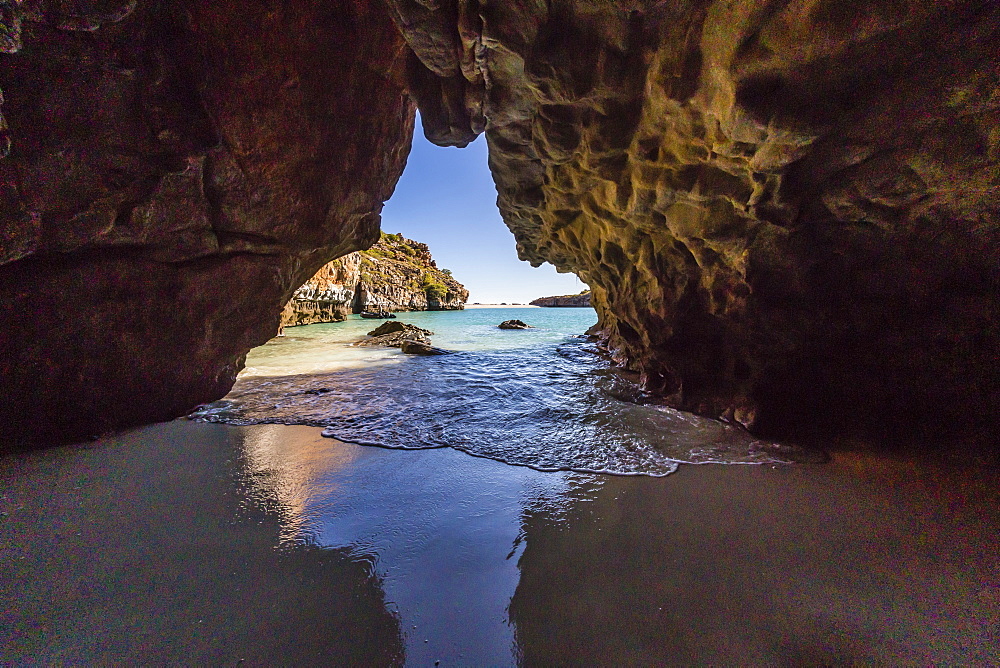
433, 289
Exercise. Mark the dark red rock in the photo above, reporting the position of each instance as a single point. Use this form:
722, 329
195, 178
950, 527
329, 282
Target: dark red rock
173, 177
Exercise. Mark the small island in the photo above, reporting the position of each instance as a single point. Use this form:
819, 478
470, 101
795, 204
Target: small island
577, 300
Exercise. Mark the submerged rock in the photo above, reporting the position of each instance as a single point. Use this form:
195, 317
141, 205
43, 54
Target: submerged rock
419, 348
514, 324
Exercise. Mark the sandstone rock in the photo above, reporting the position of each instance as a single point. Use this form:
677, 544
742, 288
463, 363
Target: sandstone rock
514, 324
418, 348
582, 299
327, 296
173, 177
395, 326
787, 212
399, 274
396, 274
394, 339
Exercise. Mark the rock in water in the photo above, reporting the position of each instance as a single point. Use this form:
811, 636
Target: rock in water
418, 348
394, 340
514, 324
390, 327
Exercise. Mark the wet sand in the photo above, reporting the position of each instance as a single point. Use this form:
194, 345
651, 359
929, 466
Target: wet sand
196, 543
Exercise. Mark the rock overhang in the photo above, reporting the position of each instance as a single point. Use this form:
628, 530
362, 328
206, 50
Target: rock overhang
787, 212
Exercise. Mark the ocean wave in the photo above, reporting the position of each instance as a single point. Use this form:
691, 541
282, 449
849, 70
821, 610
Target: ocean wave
554, 407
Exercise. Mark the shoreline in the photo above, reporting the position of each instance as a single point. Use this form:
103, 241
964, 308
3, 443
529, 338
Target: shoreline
472, 306
196, 542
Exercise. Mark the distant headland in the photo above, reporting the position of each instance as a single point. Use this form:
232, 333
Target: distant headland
581, 299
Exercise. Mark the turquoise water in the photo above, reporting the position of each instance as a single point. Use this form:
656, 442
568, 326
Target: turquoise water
541, 398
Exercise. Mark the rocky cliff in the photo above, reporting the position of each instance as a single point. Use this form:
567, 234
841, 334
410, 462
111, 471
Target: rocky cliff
396, 274
787, 210
582, 299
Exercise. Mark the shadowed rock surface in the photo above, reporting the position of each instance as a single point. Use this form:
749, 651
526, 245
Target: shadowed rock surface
173, 177
786, 211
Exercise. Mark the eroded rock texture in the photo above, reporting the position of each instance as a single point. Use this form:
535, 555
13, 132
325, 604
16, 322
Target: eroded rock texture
175, 171
326, 297
396, 274
787, 210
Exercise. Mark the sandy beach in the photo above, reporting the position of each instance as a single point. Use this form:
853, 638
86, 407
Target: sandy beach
194, 543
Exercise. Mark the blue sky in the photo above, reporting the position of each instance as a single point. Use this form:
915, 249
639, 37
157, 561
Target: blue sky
447, 200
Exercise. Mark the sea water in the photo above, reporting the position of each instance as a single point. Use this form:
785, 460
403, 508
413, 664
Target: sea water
542, 397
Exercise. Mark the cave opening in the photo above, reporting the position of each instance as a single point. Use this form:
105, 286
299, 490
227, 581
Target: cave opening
446, 199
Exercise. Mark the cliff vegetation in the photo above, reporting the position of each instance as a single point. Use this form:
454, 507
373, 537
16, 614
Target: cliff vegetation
396, 274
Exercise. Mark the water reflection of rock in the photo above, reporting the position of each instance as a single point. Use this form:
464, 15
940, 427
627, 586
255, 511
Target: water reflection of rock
754, 565
287, 474
439, 528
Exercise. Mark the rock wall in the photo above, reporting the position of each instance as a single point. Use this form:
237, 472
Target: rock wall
326, 297
787, 210
582, 299
399, 274
396, 274
173, 171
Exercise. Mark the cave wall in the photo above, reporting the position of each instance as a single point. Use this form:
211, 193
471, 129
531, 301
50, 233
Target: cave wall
174, 170
787, 210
